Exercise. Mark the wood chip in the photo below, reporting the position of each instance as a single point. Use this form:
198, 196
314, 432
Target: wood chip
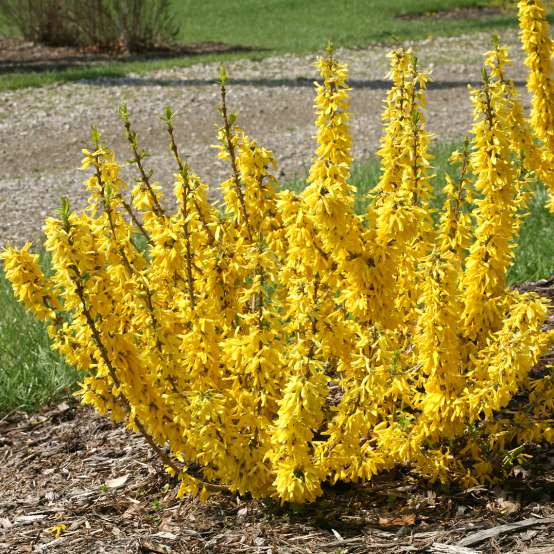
406, 519
23, 520
150, 546
481, 536
165, 535
441, 548
118, 482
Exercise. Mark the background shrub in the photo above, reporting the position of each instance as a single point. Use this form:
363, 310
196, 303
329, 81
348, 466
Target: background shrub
41, 21
106, 25
144, 23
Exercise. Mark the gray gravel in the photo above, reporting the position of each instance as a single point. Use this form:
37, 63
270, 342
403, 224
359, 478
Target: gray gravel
42, 130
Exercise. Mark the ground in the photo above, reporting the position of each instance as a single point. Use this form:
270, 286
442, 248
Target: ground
18, 55
66, 465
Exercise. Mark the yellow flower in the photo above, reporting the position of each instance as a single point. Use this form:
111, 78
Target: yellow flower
57, 530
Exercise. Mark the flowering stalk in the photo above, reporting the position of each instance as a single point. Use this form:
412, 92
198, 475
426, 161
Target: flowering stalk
538, 45
496, 221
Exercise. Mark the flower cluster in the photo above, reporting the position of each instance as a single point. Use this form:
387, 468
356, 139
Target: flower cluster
284, 340
539, 48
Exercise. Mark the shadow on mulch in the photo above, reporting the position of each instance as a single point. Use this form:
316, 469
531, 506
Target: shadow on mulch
19, 55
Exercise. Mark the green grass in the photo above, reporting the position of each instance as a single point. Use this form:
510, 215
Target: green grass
30, 373
297, 26
278, 26
14, 81
534, 256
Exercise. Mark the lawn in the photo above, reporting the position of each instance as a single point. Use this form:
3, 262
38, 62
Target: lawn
30, 373
16, 80
296, 26
279, 26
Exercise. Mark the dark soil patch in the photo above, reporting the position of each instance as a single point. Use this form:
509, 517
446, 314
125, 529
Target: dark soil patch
19, 55
454, 14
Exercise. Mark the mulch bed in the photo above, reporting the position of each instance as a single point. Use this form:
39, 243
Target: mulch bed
475, 12
19, 55
67, 465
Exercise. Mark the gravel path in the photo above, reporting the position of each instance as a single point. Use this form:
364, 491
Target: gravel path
43, 129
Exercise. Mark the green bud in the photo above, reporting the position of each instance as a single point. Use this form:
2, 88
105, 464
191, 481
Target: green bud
223, 77
485, 75
168, 116
123, 112
95, 135
64, 210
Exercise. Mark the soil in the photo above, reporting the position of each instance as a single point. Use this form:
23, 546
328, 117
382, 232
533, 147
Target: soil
67, 465
19, 55
475, 12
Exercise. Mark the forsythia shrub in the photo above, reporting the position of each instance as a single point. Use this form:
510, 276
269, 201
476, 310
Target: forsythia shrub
285, 341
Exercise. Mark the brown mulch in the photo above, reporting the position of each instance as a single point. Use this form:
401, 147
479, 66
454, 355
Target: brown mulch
470, 12
19, 55
67, 465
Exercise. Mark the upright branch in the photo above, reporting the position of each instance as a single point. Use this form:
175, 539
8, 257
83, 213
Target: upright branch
139, 156
185, 172
230, 143
78, 281
106, 191
455, 222
489, 256
539, 47
185, 208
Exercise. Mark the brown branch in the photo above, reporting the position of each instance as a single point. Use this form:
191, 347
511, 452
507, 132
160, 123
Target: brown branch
138, 159
184, 172
78, 282
233, 158
135, 220
146, 289
186, 232
202, 217
480, 536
